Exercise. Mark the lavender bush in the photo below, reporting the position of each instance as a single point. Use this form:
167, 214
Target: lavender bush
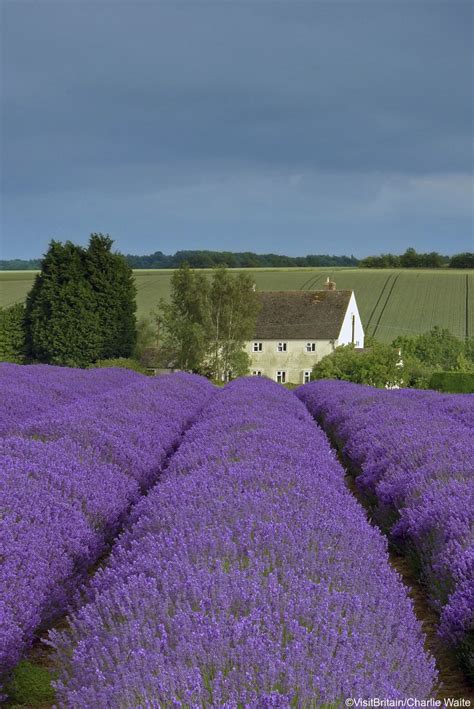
69, 476
32, 390
415, 454
249, 577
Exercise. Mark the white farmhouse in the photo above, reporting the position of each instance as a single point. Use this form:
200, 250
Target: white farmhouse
295, 329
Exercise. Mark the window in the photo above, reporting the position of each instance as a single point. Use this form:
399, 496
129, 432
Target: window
257, 346
306, 376
281, 347
257, 373
281, 377
311, 347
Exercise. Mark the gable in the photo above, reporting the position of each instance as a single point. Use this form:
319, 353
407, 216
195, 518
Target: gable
300, 315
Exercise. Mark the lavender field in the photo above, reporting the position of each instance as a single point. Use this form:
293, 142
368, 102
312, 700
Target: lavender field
200, 547
78, 448
413, 452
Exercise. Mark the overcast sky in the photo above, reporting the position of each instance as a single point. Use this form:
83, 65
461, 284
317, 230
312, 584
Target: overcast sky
294, 127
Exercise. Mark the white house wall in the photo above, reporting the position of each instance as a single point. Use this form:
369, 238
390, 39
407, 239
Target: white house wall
295, 361
345, 335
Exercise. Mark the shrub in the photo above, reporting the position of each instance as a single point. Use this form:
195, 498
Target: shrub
453, 382
379, 365
120, 363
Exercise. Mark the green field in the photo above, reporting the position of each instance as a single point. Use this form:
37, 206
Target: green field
391, 301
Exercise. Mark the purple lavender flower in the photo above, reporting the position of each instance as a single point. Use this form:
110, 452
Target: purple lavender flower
415, 453
70, 472
249, 577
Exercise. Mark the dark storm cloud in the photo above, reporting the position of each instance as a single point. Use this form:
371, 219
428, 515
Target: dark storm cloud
134, 97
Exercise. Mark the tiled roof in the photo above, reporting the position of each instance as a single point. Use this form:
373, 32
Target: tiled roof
301, 315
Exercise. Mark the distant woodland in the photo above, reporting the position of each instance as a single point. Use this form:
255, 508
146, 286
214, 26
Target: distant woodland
208, 259
248, 259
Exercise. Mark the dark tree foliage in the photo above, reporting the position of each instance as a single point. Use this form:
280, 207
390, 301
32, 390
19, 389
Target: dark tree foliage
62, 324
248, 259
81, 306
453, 382
114, 290
382, 261
18, 264
410, 259
232, 259
465, 260
208, 259
12, 333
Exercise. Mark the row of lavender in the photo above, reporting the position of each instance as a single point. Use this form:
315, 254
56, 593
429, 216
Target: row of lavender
415, 454
249, 577
27, 392
78, 449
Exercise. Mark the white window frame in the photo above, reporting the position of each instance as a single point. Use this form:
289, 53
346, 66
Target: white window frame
282, 347
257, 373
311, 347
306, 376
281, 376
257, 346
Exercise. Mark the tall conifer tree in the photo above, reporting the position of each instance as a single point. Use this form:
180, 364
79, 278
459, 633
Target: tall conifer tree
62, 325
114, 289
12, 333
82, 305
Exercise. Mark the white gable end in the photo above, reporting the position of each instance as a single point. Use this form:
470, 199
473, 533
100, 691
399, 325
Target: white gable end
351, 329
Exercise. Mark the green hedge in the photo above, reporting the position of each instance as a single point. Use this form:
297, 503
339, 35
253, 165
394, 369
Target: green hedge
122, 363
453, 382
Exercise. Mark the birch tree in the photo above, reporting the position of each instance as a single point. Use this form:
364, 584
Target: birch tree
207, 322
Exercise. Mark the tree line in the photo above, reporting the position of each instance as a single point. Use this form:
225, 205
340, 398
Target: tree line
233, 259
248, 259
413, 259
207, 259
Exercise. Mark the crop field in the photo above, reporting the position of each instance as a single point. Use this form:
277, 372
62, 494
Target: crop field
391, 302
420, 481
222, 559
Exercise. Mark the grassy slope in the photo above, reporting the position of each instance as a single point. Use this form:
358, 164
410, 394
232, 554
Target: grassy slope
391, 302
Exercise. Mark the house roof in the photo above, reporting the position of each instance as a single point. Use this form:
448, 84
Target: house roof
301, 315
